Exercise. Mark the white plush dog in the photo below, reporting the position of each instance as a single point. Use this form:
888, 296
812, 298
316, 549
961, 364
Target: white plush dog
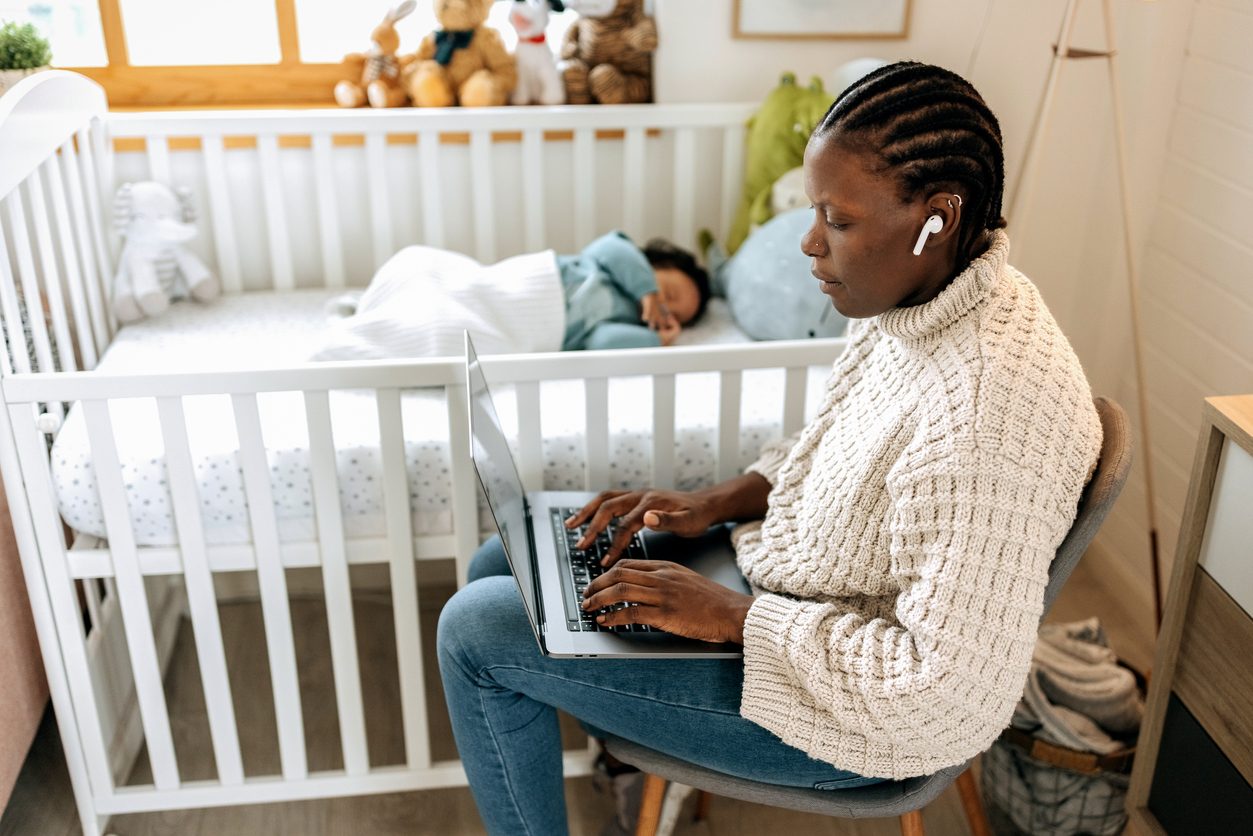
155, 266
538, 79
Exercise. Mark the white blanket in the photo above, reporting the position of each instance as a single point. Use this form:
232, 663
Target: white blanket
422, 299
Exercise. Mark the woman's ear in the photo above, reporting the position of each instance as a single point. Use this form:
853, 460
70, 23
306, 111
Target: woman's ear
948, 205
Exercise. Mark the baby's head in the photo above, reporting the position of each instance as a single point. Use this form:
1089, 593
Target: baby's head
682, 283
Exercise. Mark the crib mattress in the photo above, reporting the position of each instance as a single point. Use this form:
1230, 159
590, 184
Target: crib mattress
285, 328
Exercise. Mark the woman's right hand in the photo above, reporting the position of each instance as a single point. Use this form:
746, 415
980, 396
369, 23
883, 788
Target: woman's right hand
685, 514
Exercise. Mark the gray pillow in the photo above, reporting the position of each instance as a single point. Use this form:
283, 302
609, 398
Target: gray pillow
773, 295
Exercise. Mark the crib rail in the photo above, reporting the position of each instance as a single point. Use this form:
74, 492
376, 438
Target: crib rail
491, 182
126, 566
54, 253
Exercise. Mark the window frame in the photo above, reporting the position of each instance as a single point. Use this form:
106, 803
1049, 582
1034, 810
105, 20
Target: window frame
289, 82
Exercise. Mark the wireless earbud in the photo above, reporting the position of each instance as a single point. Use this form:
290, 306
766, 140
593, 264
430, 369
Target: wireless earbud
934, 224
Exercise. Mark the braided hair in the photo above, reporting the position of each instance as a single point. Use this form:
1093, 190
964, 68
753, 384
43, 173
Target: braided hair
930, 129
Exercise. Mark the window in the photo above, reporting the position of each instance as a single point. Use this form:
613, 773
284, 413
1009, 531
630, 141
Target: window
155, 53
72, 28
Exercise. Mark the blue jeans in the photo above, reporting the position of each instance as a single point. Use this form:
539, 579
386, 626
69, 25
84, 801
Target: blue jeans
503, 695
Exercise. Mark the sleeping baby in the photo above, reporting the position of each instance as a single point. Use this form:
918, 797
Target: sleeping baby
620, 296
613, 294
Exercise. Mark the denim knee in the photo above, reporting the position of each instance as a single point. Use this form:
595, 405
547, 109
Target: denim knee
466, 634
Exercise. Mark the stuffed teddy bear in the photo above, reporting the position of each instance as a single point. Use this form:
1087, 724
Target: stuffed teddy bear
463, 62
777, 135
374, 76
538, 79
154, 267
607, 53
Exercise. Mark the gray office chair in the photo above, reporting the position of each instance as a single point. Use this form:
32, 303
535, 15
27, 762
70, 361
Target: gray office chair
895, 798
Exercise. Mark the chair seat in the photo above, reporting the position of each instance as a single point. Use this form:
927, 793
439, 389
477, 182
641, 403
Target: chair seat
890, 798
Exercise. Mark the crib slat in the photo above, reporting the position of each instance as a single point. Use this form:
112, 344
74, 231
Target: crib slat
378, 188
30, 287
481, 192
794, 400
97, 292
535, 216
663, 430
404, 579
465, 507
634, 184
132, 597
91, 594
431, 189
275, 212
73, 275
530, 437
50, 273
684, 186
92, 179
328, 211
33, 456
729, 424
275, 609
732, 175
224, 243
102, 153
13, 329
201, 600
596, 392
584, 185
335, 583
159, 159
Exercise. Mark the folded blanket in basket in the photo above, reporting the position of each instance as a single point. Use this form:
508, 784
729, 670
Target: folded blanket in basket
1076, 692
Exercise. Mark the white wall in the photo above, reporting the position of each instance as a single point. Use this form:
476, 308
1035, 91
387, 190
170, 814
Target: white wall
1196, 288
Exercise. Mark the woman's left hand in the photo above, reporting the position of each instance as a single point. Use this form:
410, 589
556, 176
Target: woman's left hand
669, 597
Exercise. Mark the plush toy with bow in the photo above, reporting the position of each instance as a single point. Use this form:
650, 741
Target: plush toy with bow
607, 55
155, 267
464, 62
374, 75
538, 79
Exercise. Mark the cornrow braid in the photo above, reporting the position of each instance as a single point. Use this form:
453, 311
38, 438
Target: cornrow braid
930, 129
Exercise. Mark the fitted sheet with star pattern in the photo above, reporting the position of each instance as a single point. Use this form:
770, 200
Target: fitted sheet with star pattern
273, 329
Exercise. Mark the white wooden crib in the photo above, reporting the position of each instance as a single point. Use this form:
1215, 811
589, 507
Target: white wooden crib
310, 199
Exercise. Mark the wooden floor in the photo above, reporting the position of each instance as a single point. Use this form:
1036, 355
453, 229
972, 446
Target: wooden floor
43, 805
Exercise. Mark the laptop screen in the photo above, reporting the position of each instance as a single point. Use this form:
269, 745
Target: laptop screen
499, 477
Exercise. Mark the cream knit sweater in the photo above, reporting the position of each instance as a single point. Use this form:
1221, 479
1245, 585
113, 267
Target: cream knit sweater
902, 562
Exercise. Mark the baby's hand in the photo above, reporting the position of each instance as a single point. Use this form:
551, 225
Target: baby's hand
653, 313
670, 329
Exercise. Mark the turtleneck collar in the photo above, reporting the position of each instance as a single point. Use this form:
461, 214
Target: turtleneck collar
966, 291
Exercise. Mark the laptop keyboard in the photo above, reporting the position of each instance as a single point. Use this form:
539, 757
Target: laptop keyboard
584, 567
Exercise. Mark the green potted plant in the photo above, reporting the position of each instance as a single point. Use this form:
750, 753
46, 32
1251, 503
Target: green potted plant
22, 52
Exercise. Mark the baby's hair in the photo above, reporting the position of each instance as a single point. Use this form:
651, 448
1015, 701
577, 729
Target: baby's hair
662, 253
932, 130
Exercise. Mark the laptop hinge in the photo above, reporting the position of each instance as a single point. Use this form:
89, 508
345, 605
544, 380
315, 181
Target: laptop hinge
535, 585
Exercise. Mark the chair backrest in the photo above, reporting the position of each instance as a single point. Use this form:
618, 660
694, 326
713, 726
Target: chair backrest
1097, 498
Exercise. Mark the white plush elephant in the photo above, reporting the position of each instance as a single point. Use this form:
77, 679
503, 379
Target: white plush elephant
155, 267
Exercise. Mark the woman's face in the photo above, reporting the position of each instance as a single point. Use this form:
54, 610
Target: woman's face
862, 238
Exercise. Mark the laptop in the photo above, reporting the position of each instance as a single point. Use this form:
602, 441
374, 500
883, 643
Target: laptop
551, 573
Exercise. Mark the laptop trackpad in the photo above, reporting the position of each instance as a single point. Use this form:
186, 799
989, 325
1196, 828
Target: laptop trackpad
709, 554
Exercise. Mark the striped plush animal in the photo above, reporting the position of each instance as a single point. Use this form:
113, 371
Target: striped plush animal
608, 53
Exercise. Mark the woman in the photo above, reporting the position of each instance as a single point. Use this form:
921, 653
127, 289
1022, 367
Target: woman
899, 546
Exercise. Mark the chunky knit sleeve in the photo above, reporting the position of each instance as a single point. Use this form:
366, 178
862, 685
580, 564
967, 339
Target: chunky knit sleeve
972, 536
770, 460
